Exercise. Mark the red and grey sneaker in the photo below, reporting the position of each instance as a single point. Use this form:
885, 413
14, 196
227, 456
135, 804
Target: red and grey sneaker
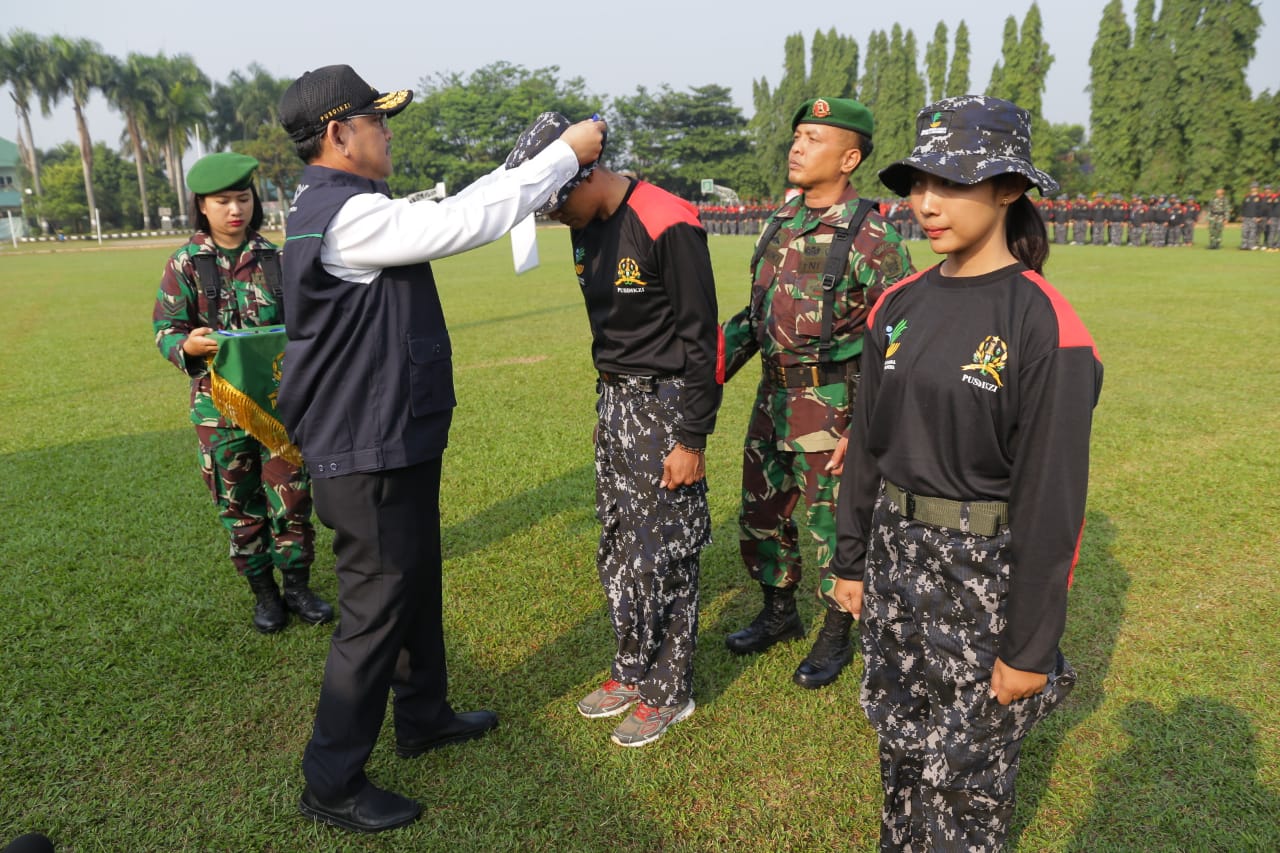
646, 724
609, 700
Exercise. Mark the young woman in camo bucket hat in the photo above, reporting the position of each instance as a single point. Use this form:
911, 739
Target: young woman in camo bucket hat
962, 502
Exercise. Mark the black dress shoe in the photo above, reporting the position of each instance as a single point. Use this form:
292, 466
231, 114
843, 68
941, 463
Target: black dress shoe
468, 725
371, 810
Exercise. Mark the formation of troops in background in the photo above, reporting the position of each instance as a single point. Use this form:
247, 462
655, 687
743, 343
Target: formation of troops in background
1159, 221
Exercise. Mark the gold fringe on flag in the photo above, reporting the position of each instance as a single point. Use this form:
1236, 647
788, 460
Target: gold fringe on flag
241, 409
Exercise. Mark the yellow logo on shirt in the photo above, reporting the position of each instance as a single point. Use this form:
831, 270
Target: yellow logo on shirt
990, 358
628, 274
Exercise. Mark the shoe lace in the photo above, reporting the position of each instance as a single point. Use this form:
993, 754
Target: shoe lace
610, 685
644, 712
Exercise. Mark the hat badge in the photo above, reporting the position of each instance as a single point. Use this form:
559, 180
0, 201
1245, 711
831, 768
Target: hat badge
821, 109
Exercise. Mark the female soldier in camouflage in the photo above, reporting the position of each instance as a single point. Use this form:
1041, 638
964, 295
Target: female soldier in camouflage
962, 502
264, 500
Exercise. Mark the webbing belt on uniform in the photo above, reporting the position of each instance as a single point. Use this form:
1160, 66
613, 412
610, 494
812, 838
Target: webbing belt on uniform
837, 260
985, 518
807, 375
210, 277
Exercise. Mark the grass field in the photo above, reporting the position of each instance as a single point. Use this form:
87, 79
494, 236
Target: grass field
140, 711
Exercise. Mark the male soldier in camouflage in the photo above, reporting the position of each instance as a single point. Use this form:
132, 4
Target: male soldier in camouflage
1251, 218
1099, 212
1061, 213
1119, 214
1193, 216
1137, 220
1079, 221
1219, 211
822, 262
1159, 222
1272, 210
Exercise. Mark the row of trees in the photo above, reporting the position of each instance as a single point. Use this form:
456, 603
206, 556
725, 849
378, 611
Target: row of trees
1170, 110
1170, 107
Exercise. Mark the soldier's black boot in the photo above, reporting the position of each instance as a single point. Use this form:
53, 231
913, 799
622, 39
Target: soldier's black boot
778, 620
831, 652
268, 611
299, 598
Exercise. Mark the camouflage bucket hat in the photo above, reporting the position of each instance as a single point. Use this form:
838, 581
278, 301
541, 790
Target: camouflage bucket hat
545, 130
968, 140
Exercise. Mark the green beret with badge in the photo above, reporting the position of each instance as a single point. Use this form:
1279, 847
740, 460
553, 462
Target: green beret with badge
837, 112
223, 171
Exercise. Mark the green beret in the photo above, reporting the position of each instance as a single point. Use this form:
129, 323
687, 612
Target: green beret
224, 171
837, 112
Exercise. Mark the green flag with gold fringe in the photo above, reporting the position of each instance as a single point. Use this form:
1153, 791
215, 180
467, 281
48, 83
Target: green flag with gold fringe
245, 380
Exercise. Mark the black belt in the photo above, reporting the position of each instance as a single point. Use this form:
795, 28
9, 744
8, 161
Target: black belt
807, 375
985, 518
647, 384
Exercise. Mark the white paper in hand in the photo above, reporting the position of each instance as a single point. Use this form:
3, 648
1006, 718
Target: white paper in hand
524, 245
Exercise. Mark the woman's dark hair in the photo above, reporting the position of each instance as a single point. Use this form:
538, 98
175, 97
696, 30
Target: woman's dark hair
1024, 230
202, 222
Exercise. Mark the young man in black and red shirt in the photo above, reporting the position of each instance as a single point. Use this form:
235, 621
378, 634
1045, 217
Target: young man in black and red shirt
641, 258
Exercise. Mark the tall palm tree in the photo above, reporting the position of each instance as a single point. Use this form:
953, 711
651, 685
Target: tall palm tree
130, 87
22, 59
244, 104
182, 108
75, 68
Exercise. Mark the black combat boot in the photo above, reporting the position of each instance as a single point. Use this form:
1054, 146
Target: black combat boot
777, 621
299, 598
268, 612
831, 652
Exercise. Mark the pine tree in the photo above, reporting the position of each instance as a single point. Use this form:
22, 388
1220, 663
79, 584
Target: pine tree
958, 76
1214, 43
1113, 102
935, 63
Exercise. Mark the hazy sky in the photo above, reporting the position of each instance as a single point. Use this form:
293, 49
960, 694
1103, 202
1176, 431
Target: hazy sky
647, 43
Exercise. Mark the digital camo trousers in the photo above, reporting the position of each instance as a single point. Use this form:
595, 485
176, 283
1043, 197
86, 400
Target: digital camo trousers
650, 539
933, 608
773, 483
264, 501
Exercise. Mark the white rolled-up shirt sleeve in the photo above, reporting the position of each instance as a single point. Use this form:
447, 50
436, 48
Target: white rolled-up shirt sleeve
371, 231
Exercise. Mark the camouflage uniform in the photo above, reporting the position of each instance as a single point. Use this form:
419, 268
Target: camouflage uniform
932, 613
1061, 212
1079, 221
650, 539
1273, 220
1251, 219
264, 501
1219, 210
793, 431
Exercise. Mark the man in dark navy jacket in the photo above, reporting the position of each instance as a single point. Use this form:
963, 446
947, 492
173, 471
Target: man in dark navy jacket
367, 394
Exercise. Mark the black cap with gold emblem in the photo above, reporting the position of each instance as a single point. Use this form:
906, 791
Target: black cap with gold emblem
333, 93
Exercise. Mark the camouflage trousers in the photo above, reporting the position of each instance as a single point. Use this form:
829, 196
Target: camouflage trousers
933, 608
1099, 233
1117, 234
1215, 233
1059, 232
1249, 228
1159, 233
773, 481
1135, 234
264, 501
1080, 231
1273, 233
650, 539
